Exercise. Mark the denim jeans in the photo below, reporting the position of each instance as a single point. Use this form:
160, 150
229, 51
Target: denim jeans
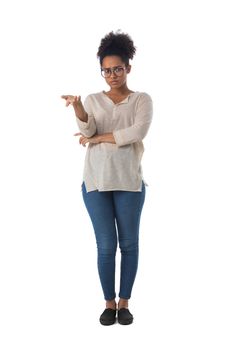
115, 216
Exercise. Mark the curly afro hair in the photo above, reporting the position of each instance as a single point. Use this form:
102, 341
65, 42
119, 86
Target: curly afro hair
119, 44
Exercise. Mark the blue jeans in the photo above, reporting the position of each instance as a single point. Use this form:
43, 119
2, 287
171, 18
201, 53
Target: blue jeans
115, 216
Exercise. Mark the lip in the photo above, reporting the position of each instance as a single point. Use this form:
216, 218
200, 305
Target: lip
114, 81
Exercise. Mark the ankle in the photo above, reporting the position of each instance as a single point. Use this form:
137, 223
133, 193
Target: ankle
111, 304
123, 303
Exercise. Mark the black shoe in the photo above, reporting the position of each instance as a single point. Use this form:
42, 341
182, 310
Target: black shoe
108, 317
124, 316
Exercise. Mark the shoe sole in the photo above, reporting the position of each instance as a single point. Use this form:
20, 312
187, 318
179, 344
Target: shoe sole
125, 323
107, 323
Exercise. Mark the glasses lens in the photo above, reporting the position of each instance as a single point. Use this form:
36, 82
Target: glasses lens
106, 72
119, 71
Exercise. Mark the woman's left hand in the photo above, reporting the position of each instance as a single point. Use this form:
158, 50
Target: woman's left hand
83, 139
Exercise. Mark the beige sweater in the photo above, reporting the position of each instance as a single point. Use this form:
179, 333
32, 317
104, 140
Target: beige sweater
110, 167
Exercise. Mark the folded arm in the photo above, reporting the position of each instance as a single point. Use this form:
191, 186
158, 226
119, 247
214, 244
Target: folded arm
139, 129
125, 136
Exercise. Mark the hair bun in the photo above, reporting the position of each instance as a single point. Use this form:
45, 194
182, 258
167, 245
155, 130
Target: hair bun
117, 43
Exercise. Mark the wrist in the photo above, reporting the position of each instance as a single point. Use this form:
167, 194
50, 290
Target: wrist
99, 138
108, 137
80, 113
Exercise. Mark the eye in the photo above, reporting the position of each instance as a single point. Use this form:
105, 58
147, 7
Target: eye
118, 69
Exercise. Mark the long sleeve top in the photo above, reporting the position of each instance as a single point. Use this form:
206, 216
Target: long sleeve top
108, 166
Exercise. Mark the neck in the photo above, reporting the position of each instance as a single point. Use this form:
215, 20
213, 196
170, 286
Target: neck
121, 90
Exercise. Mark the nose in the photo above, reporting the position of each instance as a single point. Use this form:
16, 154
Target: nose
113, 72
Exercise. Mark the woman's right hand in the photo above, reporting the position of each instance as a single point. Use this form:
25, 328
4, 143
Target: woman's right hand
75, 101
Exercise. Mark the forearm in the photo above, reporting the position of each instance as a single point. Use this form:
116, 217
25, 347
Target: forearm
81, 113
109, 138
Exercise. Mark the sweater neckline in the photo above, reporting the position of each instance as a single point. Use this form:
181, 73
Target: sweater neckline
125, 100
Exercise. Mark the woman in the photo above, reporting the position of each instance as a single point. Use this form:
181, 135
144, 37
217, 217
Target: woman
113, 124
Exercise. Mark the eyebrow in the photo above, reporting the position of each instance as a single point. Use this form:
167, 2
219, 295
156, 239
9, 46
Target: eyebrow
112, 67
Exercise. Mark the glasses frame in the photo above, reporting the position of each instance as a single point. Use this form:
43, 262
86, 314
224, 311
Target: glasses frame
112, 70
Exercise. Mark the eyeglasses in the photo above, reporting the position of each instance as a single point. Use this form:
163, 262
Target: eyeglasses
107, 72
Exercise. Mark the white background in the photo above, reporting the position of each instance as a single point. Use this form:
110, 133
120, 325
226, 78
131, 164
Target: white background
50, 296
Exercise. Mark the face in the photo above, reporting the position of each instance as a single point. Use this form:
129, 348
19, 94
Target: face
116, 76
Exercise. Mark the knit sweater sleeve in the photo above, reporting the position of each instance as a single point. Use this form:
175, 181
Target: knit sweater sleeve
142, 121
88, 128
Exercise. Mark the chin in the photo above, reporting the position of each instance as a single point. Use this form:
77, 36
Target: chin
116, 85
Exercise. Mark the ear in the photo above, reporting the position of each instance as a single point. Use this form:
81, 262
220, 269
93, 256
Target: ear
128, 69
